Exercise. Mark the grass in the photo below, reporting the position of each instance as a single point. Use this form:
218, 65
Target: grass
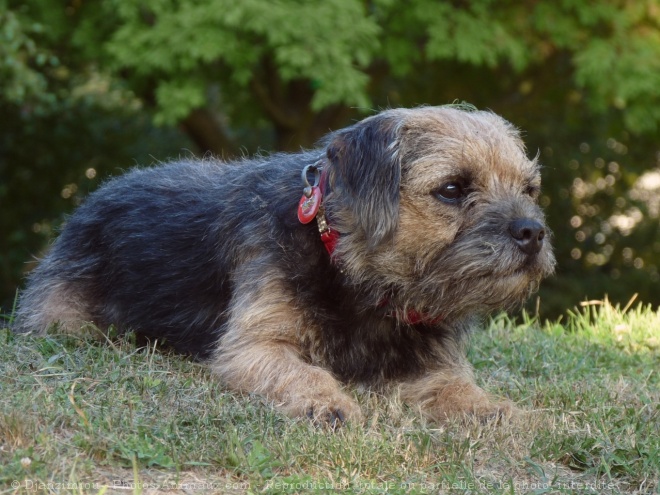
82, 416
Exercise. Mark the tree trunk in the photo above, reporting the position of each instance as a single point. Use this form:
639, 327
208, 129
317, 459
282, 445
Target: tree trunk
311, 128
208, 134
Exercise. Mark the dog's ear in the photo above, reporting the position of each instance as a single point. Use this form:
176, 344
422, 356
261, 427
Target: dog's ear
366, 174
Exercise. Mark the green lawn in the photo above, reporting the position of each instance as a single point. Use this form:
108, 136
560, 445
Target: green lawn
82, 416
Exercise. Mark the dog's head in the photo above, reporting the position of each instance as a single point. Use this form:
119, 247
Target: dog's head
437, 206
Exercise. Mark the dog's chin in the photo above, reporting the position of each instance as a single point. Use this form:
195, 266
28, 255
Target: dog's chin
479, 295
512, 261
519, 286
515, 284
442, 298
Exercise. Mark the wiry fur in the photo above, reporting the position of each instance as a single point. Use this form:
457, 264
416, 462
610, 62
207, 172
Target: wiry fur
210, 257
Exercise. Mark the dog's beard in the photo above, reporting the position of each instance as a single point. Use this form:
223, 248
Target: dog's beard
474, 275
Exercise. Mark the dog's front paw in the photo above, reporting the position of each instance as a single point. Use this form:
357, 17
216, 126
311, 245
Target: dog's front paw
442, 397
495, 411
330, 411
478, 405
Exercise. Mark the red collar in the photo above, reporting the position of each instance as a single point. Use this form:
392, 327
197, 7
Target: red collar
410, 317
311, 206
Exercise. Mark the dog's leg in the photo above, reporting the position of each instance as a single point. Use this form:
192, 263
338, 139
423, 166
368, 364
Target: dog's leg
262, 350
450, 391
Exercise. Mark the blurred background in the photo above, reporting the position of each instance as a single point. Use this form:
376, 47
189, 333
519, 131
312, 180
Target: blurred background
89, 89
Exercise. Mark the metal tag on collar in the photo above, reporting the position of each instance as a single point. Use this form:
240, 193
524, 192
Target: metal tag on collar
311, 199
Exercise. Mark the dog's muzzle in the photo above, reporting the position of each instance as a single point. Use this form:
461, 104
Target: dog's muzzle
528, 235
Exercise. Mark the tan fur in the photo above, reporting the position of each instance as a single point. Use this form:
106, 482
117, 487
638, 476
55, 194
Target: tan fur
278, 365
445, 394
62, 308
449, 390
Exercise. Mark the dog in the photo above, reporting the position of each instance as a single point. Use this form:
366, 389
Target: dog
367, 261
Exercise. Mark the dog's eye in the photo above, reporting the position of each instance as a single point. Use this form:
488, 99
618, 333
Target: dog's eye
451, 192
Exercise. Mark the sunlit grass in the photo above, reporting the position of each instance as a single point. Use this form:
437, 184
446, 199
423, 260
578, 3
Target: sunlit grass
89, 415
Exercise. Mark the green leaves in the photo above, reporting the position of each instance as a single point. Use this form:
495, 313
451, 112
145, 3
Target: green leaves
328, 43
624, 72
278, 74
169, 50
177, 97
22, 61
477, 35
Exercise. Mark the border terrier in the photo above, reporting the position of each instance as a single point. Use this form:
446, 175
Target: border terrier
366, 261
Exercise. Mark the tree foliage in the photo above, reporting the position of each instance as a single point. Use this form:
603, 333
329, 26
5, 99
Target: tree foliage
287, 62
22, 61
234, 75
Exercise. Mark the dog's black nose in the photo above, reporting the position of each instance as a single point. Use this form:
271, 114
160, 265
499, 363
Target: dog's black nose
528, 234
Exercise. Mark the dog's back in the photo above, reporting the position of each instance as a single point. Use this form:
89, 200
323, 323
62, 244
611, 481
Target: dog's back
152, 250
